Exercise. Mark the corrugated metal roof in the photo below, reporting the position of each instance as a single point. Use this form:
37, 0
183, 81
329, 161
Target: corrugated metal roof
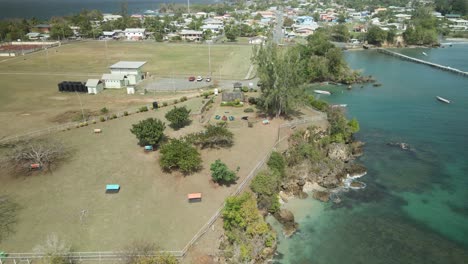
128, 65
113, 76
92, 82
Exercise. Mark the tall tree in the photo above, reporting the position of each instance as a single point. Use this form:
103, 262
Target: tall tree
281, 89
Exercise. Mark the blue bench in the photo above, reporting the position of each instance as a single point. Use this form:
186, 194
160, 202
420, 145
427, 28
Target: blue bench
112, 188
149, 148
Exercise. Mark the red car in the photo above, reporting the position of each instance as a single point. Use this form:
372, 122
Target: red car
191, 78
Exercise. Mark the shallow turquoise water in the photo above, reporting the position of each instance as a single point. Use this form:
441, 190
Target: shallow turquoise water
414, 209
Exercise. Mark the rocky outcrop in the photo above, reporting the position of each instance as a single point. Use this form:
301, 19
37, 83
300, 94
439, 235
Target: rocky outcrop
339, 151
286, 218
323, 196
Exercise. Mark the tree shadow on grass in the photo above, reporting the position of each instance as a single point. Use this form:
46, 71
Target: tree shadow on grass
8, 216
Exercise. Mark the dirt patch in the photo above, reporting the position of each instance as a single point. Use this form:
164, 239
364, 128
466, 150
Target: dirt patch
74, 116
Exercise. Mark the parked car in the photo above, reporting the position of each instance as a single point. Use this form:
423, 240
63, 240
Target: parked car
199, 79
208, 79
191, 78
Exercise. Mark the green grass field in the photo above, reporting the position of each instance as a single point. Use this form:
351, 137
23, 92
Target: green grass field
92, 57
29, 97
151, 205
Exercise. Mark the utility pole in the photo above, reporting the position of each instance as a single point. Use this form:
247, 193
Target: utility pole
188, 7
209, 56
81, 105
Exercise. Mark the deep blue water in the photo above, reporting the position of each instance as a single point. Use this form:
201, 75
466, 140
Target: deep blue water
414, 208
44, 9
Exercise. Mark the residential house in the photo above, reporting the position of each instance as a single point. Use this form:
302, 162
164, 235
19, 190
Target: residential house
34, 35
135, 33
201, 14
42, 28
258, 40
130, 69
94, 86
110, 17
191, 35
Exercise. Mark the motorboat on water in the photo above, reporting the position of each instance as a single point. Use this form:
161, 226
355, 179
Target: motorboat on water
443, 100
339, 105
322, 92
424, 53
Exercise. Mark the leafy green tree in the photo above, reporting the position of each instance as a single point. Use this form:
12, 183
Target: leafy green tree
231, 32
316, 16
60, 31
422, 29
149, 131
277, 163
179, 117
266, 185
214, 136
282, 89
341, 18
288, 22
340, 33
178, 154
376, 35
221, 173
353, 125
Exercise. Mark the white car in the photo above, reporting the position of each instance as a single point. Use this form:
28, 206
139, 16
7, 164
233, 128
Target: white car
199, 79
208, 79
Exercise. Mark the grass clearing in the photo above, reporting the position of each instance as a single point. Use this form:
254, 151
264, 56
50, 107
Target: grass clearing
151, 205
29, 97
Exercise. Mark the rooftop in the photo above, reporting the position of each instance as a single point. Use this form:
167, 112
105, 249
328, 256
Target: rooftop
128, 65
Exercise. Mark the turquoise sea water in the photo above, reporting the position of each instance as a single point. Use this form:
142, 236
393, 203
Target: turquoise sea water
415, 206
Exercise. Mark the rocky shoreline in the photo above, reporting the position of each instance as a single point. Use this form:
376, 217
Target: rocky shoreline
322, 182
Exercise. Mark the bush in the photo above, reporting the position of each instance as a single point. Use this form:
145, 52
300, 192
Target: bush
252, 100
149, 131
183, 99
114, 116
102, 119
178, 154
248, 110
266, 186
164, 104
104, 110
277, 163
249, 124
144, 109
179, 117
125, 113
221, 174
245, 89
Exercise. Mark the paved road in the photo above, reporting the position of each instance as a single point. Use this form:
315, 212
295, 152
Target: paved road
182, 84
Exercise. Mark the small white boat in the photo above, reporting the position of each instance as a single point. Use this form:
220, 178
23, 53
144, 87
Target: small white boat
443, 100
339, 105
322, 92
424, 53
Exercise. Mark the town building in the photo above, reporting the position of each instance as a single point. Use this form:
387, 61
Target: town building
135, 33
191, 35
130, 69
94, 86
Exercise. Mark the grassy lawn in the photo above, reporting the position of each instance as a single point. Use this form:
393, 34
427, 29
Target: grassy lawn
31, 101
163, 59
151, 205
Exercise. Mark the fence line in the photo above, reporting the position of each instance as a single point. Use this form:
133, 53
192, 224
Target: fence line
110, 255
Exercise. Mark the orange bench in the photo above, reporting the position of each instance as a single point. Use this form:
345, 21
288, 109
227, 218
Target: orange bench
194, 197
35, 166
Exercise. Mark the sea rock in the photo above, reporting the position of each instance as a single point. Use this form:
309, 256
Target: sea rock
286, 218
355, 169
357, 184
308, 187
357, 148
284, 197
339, 151
321, 196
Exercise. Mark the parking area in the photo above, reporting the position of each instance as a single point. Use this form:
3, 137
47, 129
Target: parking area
183, 84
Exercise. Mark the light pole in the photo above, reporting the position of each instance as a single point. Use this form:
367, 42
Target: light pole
209, 56
81, 105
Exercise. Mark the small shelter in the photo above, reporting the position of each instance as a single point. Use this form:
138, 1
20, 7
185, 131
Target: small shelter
94, 86
114, 80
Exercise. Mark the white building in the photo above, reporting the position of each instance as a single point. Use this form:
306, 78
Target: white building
192, 35
94, 86
114, 80
110, 17
135, 33
130, 69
